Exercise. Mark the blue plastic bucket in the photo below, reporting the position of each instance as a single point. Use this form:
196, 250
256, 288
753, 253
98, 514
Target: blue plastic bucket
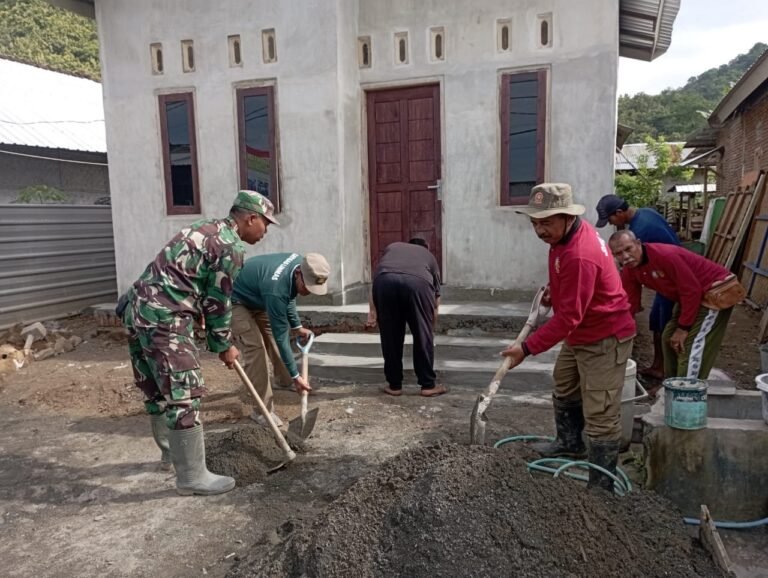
685, 403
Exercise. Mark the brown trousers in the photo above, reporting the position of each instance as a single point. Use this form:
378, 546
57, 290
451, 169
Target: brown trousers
261, 358
594, 373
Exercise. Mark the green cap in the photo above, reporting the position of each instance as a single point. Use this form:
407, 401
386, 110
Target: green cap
256, 203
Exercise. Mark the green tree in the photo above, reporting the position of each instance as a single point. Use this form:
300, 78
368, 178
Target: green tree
37, 33
643, 187
676, 113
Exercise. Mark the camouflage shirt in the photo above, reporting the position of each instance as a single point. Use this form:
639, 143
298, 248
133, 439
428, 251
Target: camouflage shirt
192, 277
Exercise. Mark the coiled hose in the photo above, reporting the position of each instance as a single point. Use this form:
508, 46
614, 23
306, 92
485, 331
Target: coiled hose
557, 466
621, 483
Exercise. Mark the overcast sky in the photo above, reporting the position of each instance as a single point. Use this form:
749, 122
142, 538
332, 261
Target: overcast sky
707, 33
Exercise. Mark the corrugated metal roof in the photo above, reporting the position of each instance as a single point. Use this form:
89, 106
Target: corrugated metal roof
693, 188
41, 108
629, 157
645, 27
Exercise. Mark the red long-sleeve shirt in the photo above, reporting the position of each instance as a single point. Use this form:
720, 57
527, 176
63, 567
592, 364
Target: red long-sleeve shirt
588, 300
676, 273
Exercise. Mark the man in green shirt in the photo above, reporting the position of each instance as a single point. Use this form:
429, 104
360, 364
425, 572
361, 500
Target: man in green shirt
190, 279
264, 316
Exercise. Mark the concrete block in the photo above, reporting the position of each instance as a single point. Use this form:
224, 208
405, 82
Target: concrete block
36, 330
44, 354
722, 465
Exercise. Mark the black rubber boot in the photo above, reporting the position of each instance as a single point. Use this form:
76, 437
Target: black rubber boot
569, 423
605, 454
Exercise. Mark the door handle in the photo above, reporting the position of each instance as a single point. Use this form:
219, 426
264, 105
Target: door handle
438, 186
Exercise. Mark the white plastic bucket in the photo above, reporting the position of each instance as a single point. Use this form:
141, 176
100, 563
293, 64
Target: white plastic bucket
629, 395
762, 384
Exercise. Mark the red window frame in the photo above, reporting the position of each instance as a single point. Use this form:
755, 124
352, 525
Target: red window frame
171, 209
269, 92
541, 126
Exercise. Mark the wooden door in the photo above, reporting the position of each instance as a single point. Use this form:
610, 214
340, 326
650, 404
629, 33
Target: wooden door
404, 168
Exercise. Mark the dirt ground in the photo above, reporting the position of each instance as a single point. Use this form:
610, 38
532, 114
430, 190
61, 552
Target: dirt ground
81, 493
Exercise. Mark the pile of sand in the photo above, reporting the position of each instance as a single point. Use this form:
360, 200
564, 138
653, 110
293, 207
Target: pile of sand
450, 510
245, 453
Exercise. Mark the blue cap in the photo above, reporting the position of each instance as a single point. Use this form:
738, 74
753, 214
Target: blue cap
607, 206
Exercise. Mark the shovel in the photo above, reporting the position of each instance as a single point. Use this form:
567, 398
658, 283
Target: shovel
290, 455
303, 425
478, 420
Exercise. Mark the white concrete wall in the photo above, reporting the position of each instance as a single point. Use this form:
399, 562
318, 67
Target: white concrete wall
486, 245
306, 107
320, 100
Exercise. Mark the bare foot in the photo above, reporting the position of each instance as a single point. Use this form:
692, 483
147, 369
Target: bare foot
438, 389
389, 391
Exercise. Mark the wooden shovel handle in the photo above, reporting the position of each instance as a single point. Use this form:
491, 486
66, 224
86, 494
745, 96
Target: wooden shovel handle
305, 376
265, 412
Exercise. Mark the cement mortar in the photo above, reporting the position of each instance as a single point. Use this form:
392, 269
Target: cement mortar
245, 453
450, 510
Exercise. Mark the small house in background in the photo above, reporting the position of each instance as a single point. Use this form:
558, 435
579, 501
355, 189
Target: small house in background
738, 143
366, 122
52, 140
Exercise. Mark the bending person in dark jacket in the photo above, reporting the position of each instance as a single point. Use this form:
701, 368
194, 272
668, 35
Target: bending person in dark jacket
264, 316
406, 290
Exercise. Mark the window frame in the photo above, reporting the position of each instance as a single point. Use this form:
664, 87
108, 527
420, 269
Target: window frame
541, 133
269, 92
170, 208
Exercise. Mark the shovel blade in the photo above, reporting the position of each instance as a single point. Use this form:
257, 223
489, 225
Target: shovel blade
303, 425
477, 421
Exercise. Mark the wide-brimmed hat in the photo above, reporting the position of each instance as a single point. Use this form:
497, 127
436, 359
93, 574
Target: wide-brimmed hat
549, 199
315, 270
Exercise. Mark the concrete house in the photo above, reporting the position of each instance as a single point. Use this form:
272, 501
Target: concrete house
366, 122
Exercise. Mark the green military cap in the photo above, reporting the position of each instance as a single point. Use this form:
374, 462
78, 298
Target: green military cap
256, 203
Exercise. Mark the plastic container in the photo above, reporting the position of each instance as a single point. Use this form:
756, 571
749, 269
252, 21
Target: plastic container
629, 395
764, 358
762, 384
685, 403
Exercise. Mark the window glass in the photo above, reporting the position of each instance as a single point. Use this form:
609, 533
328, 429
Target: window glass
179, 154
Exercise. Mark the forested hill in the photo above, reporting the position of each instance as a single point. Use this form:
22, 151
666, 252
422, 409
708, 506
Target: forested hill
35, 32
677, 112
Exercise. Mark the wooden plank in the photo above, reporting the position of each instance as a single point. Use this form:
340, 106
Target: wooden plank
710, 539
746, 220
731, 228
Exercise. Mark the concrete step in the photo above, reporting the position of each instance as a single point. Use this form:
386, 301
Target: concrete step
533, 375
456, 318
446, 346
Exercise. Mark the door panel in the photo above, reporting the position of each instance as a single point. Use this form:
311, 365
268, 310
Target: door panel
404, 167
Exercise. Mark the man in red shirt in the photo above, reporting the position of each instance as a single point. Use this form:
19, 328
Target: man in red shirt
593, 319
693, 336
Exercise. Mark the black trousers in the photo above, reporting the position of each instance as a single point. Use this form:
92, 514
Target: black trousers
400, 300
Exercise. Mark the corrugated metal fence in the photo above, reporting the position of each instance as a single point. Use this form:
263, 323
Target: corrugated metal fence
54, 260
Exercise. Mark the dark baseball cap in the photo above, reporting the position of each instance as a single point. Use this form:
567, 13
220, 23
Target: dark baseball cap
607, 206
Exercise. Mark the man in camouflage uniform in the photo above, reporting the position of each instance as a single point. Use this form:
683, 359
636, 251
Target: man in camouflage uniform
190, 279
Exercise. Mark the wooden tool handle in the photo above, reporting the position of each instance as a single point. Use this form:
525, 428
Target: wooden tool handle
507, 363
265, 412
305, 376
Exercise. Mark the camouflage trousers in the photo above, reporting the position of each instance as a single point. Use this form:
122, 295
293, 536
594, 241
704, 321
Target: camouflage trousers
166, 369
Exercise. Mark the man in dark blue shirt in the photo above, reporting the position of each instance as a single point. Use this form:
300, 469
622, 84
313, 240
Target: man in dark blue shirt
650, 227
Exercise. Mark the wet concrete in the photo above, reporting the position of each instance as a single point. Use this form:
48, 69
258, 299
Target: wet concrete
450, 510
